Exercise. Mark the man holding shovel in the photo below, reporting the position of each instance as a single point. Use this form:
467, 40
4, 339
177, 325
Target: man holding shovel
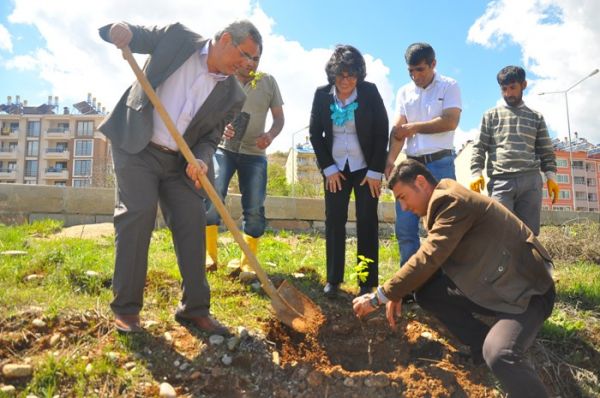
193, 78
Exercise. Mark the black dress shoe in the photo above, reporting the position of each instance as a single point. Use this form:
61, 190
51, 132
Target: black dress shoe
331, 290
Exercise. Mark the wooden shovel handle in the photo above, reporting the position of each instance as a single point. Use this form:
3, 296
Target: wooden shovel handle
210, 190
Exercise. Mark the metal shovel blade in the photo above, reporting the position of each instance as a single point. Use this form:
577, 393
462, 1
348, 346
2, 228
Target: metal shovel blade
305, 316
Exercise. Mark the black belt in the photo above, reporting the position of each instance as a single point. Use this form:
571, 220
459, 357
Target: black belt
162, 148
432, 157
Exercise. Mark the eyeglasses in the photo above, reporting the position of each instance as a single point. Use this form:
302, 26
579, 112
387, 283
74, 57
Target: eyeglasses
350, 78
247, 56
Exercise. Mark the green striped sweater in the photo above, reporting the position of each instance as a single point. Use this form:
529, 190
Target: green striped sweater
516, 142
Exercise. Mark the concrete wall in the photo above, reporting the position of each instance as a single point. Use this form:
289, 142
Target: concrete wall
25, 203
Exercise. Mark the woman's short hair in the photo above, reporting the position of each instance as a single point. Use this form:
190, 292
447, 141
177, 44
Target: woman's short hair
346, 59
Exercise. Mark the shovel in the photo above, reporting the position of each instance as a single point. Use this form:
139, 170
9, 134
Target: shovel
291, 306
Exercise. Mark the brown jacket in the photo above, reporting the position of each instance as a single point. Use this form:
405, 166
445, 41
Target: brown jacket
491, 256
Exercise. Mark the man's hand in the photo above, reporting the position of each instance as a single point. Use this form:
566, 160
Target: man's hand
333, 183
478, 184
362, 305
393, 309
120, 35
374, 186
404, 131
194, 173
228, 132
264, 140
553, 190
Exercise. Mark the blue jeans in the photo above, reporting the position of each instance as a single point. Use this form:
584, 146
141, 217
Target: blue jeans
252, 178
407, 223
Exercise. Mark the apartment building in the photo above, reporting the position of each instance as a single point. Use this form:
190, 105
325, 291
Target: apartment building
301, 165
578, 174
38, 145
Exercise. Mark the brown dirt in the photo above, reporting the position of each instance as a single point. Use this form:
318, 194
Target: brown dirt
346, 358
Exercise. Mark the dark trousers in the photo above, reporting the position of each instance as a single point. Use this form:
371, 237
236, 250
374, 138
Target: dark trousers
145, 180
367, 227
504, 344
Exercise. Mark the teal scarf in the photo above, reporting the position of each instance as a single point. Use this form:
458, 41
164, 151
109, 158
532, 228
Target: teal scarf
341, 115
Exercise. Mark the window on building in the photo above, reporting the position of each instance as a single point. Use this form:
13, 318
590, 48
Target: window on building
562, 178
581, 195
578, 164
564, 194
33, 128
581, 208
30, 182
562, 162
545, 208
60, 183
579, 180
31, 168
81, 182
33, 148
14, 127
60, 165
85, 128
590, 167
83, 147
12, 146
591, 182
63, 127
82, 168
12, 166
592, 197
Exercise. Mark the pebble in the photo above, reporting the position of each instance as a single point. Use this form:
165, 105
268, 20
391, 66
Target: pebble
275, 358
256, 286
242, 332
54, 339
176, 363
38, 323
8, 390
151, 325
196, 375
226, 359
17, 370
247, 276
33, 277
92, 274
216, 339
232, 343
113, 356
129, 365
377, 381
349, 382
168, 337
298, 275
184, 366
166, 390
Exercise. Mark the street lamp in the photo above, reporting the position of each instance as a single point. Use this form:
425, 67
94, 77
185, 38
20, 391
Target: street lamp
565, 92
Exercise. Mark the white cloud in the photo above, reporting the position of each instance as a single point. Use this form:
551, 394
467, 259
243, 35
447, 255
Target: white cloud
559, 44
5, 39
76, 61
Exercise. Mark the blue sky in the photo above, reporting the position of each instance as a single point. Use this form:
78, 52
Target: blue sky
52, 48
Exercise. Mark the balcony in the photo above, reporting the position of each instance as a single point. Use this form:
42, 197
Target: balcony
7, 132
8, 153
9, 174
54, 173
57, 153
57, 133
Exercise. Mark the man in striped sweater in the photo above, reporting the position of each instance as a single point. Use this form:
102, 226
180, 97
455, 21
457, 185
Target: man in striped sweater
516, 141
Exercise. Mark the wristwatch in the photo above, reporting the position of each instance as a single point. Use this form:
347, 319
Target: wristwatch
374, 300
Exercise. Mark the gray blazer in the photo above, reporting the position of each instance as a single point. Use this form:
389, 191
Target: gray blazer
129, 125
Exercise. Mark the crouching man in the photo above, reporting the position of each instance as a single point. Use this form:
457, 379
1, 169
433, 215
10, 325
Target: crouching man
478, 258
